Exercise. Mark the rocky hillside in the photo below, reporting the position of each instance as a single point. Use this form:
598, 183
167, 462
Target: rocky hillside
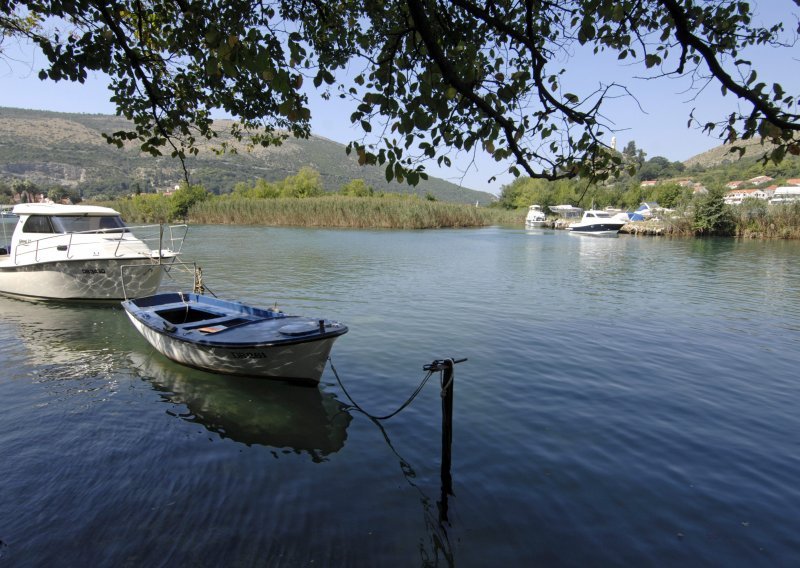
51, 148
722, 155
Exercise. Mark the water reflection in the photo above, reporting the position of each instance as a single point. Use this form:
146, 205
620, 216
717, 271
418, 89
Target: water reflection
75, 349
60, 341
286, 417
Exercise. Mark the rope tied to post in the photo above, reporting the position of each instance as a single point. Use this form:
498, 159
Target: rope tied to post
438, 365
442, 365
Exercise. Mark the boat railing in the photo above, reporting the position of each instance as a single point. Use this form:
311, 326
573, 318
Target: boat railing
152, 235
173, 236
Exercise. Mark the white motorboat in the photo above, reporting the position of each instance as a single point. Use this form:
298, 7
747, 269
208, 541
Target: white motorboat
535, 218
229, 337
596, 222
83, 252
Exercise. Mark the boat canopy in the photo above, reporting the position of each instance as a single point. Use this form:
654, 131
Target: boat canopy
62, 224
58, 209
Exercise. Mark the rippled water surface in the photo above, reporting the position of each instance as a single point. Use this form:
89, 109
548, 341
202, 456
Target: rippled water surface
627, 401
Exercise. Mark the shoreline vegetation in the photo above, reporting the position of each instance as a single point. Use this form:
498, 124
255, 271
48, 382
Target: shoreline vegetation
749, 220
334, 211
299, 201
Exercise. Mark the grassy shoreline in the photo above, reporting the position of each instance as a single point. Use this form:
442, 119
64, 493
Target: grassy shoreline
750, 221
334, 211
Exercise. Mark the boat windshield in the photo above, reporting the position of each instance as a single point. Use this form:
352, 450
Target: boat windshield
87, 223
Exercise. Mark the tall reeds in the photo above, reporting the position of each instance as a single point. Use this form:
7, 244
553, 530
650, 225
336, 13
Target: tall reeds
755, 218
386, 212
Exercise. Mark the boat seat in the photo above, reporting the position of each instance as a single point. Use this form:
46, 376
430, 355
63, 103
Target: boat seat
217, 325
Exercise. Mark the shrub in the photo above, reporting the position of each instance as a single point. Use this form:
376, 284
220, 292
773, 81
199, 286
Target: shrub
712, 216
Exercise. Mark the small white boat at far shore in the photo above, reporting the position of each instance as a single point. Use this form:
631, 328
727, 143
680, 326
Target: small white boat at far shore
535, 217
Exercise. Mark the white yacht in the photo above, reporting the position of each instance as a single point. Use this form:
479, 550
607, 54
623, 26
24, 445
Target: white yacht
83, 252
596, 222
535, 217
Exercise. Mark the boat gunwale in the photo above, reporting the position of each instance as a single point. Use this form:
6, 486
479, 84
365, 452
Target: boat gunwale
198, 339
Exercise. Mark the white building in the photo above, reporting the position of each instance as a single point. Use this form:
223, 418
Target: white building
785, 194
736, 196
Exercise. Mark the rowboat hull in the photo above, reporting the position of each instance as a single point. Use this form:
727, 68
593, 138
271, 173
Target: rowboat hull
232, 338
303, 362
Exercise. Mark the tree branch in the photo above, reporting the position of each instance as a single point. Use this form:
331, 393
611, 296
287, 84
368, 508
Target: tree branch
417, 11
688, 39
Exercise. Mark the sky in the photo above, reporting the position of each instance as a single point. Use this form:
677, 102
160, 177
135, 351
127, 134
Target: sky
656, 120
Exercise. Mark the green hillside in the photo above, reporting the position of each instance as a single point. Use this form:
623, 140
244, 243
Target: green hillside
49, 148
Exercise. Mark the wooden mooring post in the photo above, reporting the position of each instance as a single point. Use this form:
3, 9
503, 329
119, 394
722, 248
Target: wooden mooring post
445, 366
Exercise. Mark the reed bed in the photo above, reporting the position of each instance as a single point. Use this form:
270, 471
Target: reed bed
756, 220
385, 212
752, 219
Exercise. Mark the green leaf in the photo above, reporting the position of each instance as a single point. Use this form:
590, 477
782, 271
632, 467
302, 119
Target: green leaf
651, 60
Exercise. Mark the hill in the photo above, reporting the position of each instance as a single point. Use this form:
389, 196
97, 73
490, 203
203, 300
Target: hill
49, 148
722, 155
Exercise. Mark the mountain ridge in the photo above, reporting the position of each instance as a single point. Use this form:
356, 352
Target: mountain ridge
55, 148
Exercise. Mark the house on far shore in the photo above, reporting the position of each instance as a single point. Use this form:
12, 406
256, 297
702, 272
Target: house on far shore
785, 194
734, 184
738, 195
793, 181
759, 180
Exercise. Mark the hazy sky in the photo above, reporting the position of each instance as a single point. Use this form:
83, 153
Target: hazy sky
657, 123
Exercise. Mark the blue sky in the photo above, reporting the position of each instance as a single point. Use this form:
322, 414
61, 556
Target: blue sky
656, 121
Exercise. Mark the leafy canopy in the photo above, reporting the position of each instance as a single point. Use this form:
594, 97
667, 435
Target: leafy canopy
426, 77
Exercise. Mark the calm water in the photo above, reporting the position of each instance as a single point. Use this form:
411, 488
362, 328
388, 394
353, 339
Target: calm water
628, 401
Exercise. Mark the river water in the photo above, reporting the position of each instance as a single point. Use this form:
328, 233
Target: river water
626, 401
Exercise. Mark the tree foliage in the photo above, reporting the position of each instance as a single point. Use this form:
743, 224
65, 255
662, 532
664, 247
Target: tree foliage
186, 196
432, 76
306, 183
356, 188
712, 216
659, 167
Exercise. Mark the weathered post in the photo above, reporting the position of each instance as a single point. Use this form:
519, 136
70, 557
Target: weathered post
447, 436
445, 366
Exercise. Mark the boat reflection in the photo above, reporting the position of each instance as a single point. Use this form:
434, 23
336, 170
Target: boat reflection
291, 418
52, 334
76, 349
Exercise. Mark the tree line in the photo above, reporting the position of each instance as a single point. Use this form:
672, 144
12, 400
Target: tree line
626, 192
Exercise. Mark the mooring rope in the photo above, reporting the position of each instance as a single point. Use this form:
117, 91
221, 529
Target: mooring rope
396, 412
184, 267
